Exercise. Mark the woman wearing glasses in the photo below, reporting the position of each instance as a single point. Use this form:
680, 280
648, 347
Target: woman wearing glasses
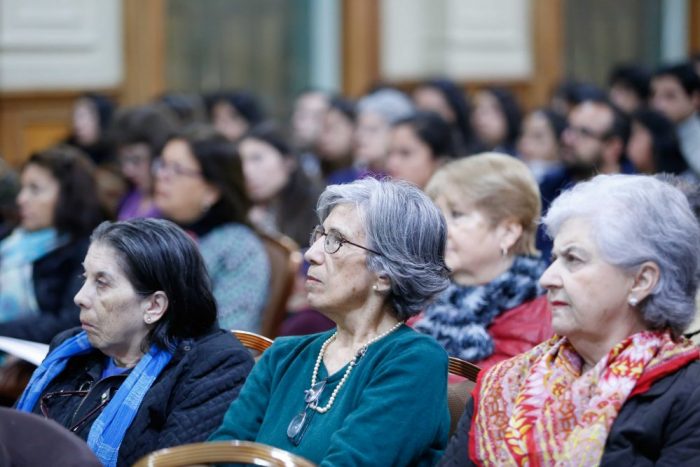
199, 186
149, 369
345, 397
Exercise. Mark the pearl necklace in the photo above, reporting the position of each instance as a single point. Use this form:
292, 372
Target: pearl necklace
351, 365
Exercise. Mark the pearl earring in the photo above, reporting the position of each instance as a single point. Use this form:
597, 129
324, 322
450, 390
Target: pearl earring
375, 288
632, 301
147, 319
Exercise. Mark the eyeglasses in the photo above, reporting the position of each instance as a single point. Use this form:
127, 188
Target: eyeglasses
301, 421
162, 168
44, 406
333, 241
587, 132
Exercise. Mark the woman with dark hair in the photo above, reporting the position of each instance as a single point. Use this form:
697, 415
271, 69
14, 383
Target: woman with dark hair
92, 115
141, 134
40, 259
199, 185
496, 120
653, 145
149, 369
283, 196
449, 101
335, 143
420, 144
233, 113
539, 144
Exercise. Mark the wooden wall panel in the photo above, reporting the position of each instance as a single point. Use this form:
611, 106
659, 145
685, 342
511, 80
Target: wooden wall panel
360, 45
694, 27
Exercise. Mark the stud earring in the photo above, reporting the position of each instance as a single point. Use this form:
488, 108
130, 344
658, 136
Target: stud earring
504, 251
147, 319
375, 288
632, 301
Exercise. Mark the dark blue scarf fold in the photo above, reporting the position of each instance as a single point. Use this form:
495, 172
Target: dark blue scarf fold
460, 317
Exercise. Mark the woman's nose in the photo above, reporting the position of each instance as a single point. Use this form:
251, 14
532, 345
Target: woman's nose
550, 278
81, 298
314, 254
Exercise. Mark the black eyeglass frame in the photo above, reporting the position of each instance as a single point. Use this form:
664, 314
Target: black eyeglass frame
319, 232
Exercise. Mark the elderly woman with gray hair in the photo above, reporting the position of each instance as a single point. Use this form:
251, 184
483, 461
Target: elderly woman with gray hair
345, 397
617, 384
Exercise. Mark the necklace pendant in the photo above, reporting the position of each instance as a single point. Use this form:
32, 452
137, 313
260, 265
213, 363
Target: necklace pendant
312, 394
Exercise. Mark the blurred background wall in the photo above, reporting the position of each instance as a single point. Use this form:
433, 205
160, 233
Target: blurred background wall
133, 50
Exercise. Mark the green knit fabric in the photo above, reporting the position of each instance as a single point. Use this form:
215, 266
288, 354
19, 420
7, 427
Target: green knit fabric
392, 410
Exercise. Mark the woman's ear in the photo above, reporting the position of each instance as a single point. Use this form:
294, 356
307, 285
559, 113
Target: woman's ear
382, 285
211, 196
645, 281
509, 232
155, 306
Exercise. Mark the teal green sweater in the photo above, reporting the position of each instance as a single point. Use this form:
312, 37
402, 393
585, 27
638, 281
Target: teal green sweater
392, 410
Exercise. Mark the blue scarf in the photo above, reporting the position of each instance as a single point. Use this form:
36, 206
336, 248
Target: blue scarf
18, 252
107, 432
460, 317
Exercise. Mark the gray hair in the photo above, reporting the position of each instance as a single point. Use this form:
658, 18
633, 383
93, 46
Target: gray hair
390, 104
403, 225
637, 218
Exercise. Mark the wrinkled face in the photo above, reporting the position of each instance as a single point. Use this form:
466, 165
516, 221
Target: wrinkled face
307, 119
640, 149
265, 169
181, 193
410, 158
584, 138
336, 139
111, 312
135, 162
625, 98
431, 100
588, 295
538, 141
339, 282
228, 121
86, 124
473, 242
488, 119
37, 198
372, 140
670, 98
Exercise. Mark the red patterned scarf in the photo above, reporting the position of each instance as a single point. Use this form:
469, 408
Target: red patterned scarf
538, 409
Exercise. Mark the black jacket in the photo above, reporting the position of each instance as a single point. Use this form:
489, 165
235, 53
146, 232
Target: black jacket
185, 404
660, 427
56, 279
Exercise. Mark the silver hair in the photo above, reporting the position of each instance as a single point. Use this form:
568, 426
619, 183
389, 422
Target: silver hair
637, 218
403, 225
391, 104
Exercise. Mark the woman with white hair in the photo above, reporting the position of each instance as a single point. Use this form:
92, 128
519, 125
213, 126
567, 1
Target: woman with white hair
617, 385
344, 397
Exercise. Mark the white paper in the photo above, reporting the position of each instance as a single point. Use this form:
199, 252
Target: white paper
33, 352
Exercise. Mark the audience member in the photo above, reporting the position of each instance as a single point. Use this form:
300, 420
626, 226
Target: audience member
375, 261
9, 188
199, 185
92, 115
617, 385
676, 94
571, 93
141, 134
233, 113
539, 144
376, 113
496, 120
335, 143
283, 196
420, 144
150, 369
493, 308
629, 87
189, 109
40, 260
445, 98
310, 109
653, 145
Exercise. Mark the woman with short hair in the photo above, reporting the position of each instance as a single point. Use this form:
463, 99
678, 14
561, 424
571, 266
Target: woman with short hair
150, 369
493, 308
617, 385
341, 397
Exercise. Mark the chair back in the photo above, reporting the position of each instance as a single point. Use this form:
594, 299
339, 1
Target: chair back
285, 260
459, 393
239, 452
256, 343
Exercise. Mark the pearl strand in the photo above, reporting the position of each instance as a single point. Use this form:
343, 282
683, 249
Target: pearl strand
351, 365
